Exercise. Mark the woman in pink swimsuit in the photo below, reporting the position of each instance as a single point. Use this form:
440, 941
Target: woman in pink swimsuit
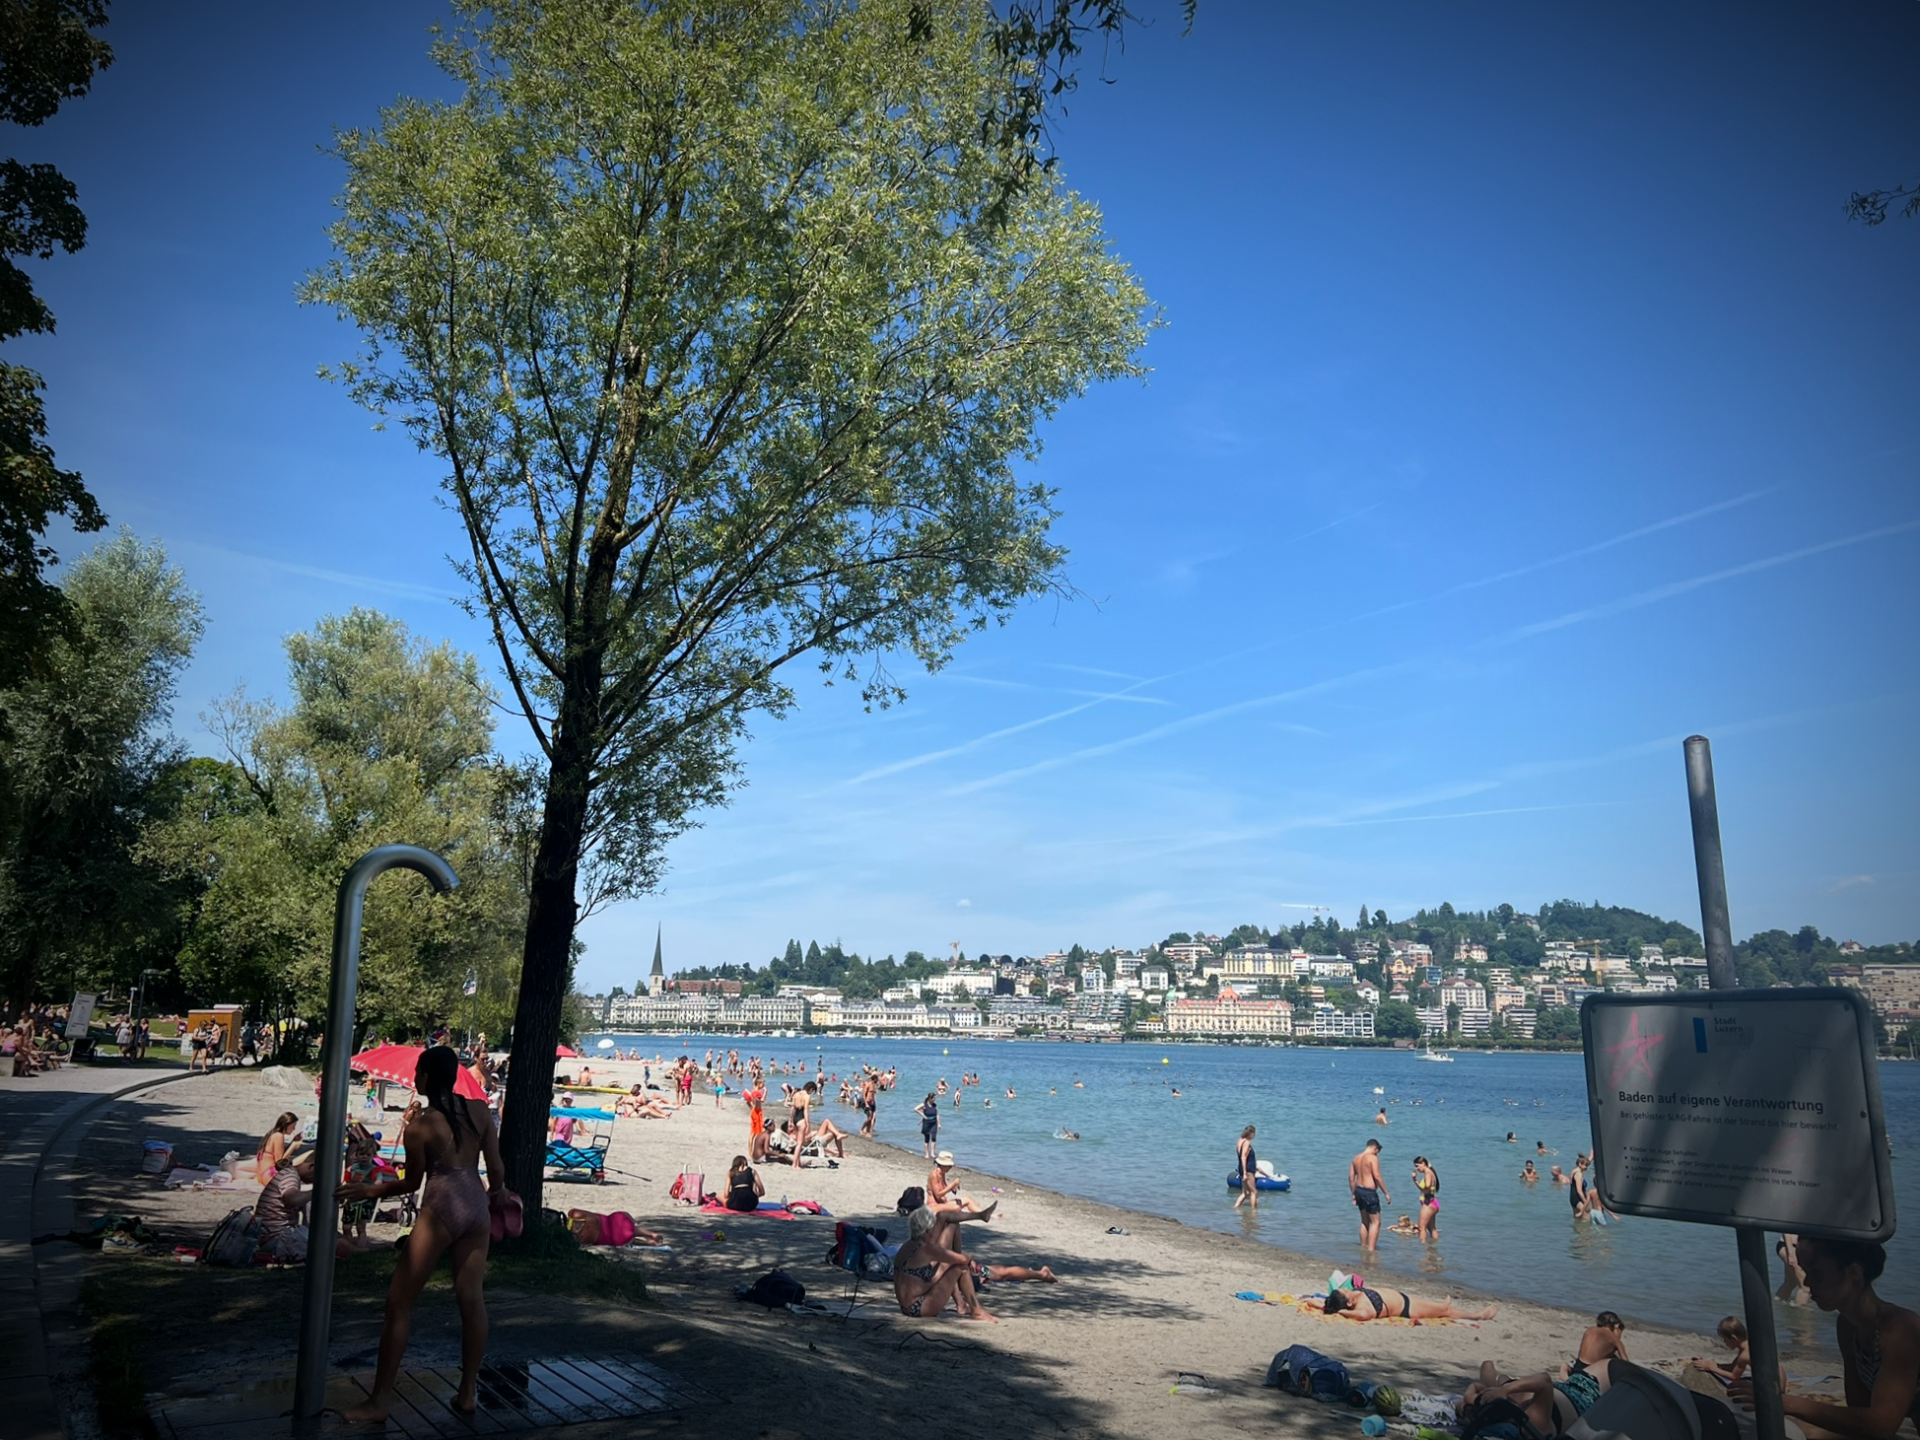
444, 1147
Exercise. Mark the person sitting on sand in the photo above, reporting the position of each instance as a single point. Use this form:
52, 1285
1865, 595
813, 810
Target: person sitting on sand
1551, 1405
278, 1147
743, 1186
1733, 1334
1603, 1340
943, 1191
1879, 1345
1529, 1174
779, 1145
1370, 1304
927, 1275
827, 1133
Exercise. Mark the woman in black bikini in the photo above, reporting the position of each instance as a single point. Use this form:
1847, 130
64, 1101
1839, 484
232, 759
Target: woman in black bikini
927, 1274
1879, 1344
1369, 1304
743, 1187
444, 1148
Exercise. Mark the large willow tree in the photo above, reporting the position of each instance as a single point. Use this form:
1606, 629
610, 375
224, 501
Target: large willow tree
728, 330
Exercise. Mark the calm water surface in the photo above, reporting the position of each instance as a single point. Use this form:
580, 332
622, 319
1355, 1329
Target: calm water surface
1145, 1148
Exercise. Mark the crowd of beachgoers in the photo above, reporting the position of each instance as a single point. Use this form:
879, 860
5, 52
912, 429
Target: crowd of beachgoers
444, 1170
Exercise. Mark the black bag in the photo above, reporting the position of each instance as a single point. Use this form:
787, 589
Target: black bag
911, 1199
1305, 1371
773, 1290
234, 1239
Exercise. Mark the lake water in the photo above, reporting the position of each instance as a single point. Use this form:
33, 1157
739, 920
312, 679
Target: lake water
1145, 1148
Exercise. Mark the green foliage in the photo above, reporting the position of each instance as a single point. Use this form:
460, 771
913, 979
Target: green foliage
386, 739
84, 764
1558, 1024
1800, 958
1617, 925
1396, 1020
830, 968
47, 55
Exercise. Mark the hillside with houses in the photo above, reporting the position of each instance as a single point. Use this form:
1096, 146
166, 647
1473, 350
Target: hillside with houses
1475, 977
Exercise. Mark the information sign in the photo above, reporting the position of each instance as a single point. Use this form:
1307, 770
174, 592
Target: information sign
79, 1015
1740, 1107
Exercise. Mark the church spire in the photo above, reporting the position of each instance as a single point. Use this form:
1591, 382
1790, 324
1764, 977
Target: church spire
659, 971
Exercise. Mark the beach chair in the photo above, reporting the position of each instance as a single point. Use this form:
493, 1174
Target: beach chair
590, 1155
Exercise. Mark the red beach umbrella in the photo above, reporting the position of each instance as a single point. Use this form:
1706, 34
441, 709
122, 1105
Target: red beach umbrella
565, 1052
398, 1063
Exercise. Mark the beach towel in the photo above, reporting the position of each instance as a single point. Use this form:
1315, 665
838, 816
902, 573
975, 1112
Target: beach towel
768, 1210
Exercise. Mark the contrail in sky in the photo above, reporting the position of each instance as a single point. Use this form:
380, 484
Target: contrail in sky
1597, 612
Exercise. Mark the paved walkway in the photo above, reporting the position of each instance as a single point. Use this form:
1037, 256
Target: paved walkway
33, 1113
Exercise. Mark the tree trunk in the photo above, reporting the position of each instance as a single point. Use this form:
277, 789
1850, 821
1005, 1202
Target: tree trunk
546, 963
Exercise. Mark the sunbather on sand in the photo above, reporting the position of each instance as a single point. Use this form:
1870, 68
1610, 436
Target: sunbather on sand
1370, 1304
1552, 1405
927, 1275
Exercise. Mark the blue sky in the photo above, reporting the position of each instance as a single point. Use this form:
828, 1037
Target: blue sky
1526, 403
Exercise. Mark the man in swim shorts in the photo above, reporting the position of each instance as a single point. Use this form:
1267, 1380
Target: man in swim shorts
1369, 1189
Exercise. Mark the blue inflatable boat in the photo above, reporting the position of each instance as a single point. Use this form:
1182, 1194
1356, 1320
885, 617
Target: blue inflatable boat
1262, 1182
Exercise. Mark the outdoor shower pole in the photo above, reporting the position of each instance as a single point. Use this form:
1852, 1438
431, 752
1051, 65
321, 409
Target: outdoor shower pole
1716, 927
323, 1220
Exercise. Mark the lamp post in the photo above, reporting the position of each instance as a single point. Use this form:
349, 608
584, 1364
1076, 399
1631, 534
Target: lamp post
316, 1310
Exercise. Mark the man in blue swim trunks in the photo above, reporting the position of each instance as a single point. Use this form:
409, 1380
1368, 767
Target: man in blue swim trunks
1369, 1189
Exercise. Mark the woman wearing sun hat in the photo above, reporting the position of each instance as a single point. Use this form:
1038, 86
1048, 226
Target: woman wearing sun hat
943, 1192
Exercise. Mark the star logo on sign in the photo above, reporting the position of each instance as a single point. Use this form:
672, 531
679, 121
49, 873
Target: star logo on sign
1632, 1052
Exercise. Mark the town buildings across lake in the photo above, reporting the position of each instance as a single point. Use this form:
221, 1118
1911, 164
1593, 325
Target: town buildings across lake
1143, 1146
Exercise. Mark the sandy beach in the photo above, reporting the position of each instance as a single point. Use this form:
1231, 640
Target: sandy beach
1141, 1301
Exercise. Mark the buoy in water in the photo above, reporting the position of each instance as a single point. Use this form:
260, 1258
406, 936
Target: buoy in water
1163, 1059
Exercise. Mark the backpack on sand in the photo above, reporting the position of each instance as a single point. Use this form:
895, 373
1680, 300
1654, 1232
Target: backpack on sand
1303, 1370
234, 1240
773, 1290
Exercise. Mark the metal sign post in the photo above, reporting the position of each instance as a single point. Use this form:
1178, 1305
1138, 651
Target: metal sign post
1716, 928
323, 1220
